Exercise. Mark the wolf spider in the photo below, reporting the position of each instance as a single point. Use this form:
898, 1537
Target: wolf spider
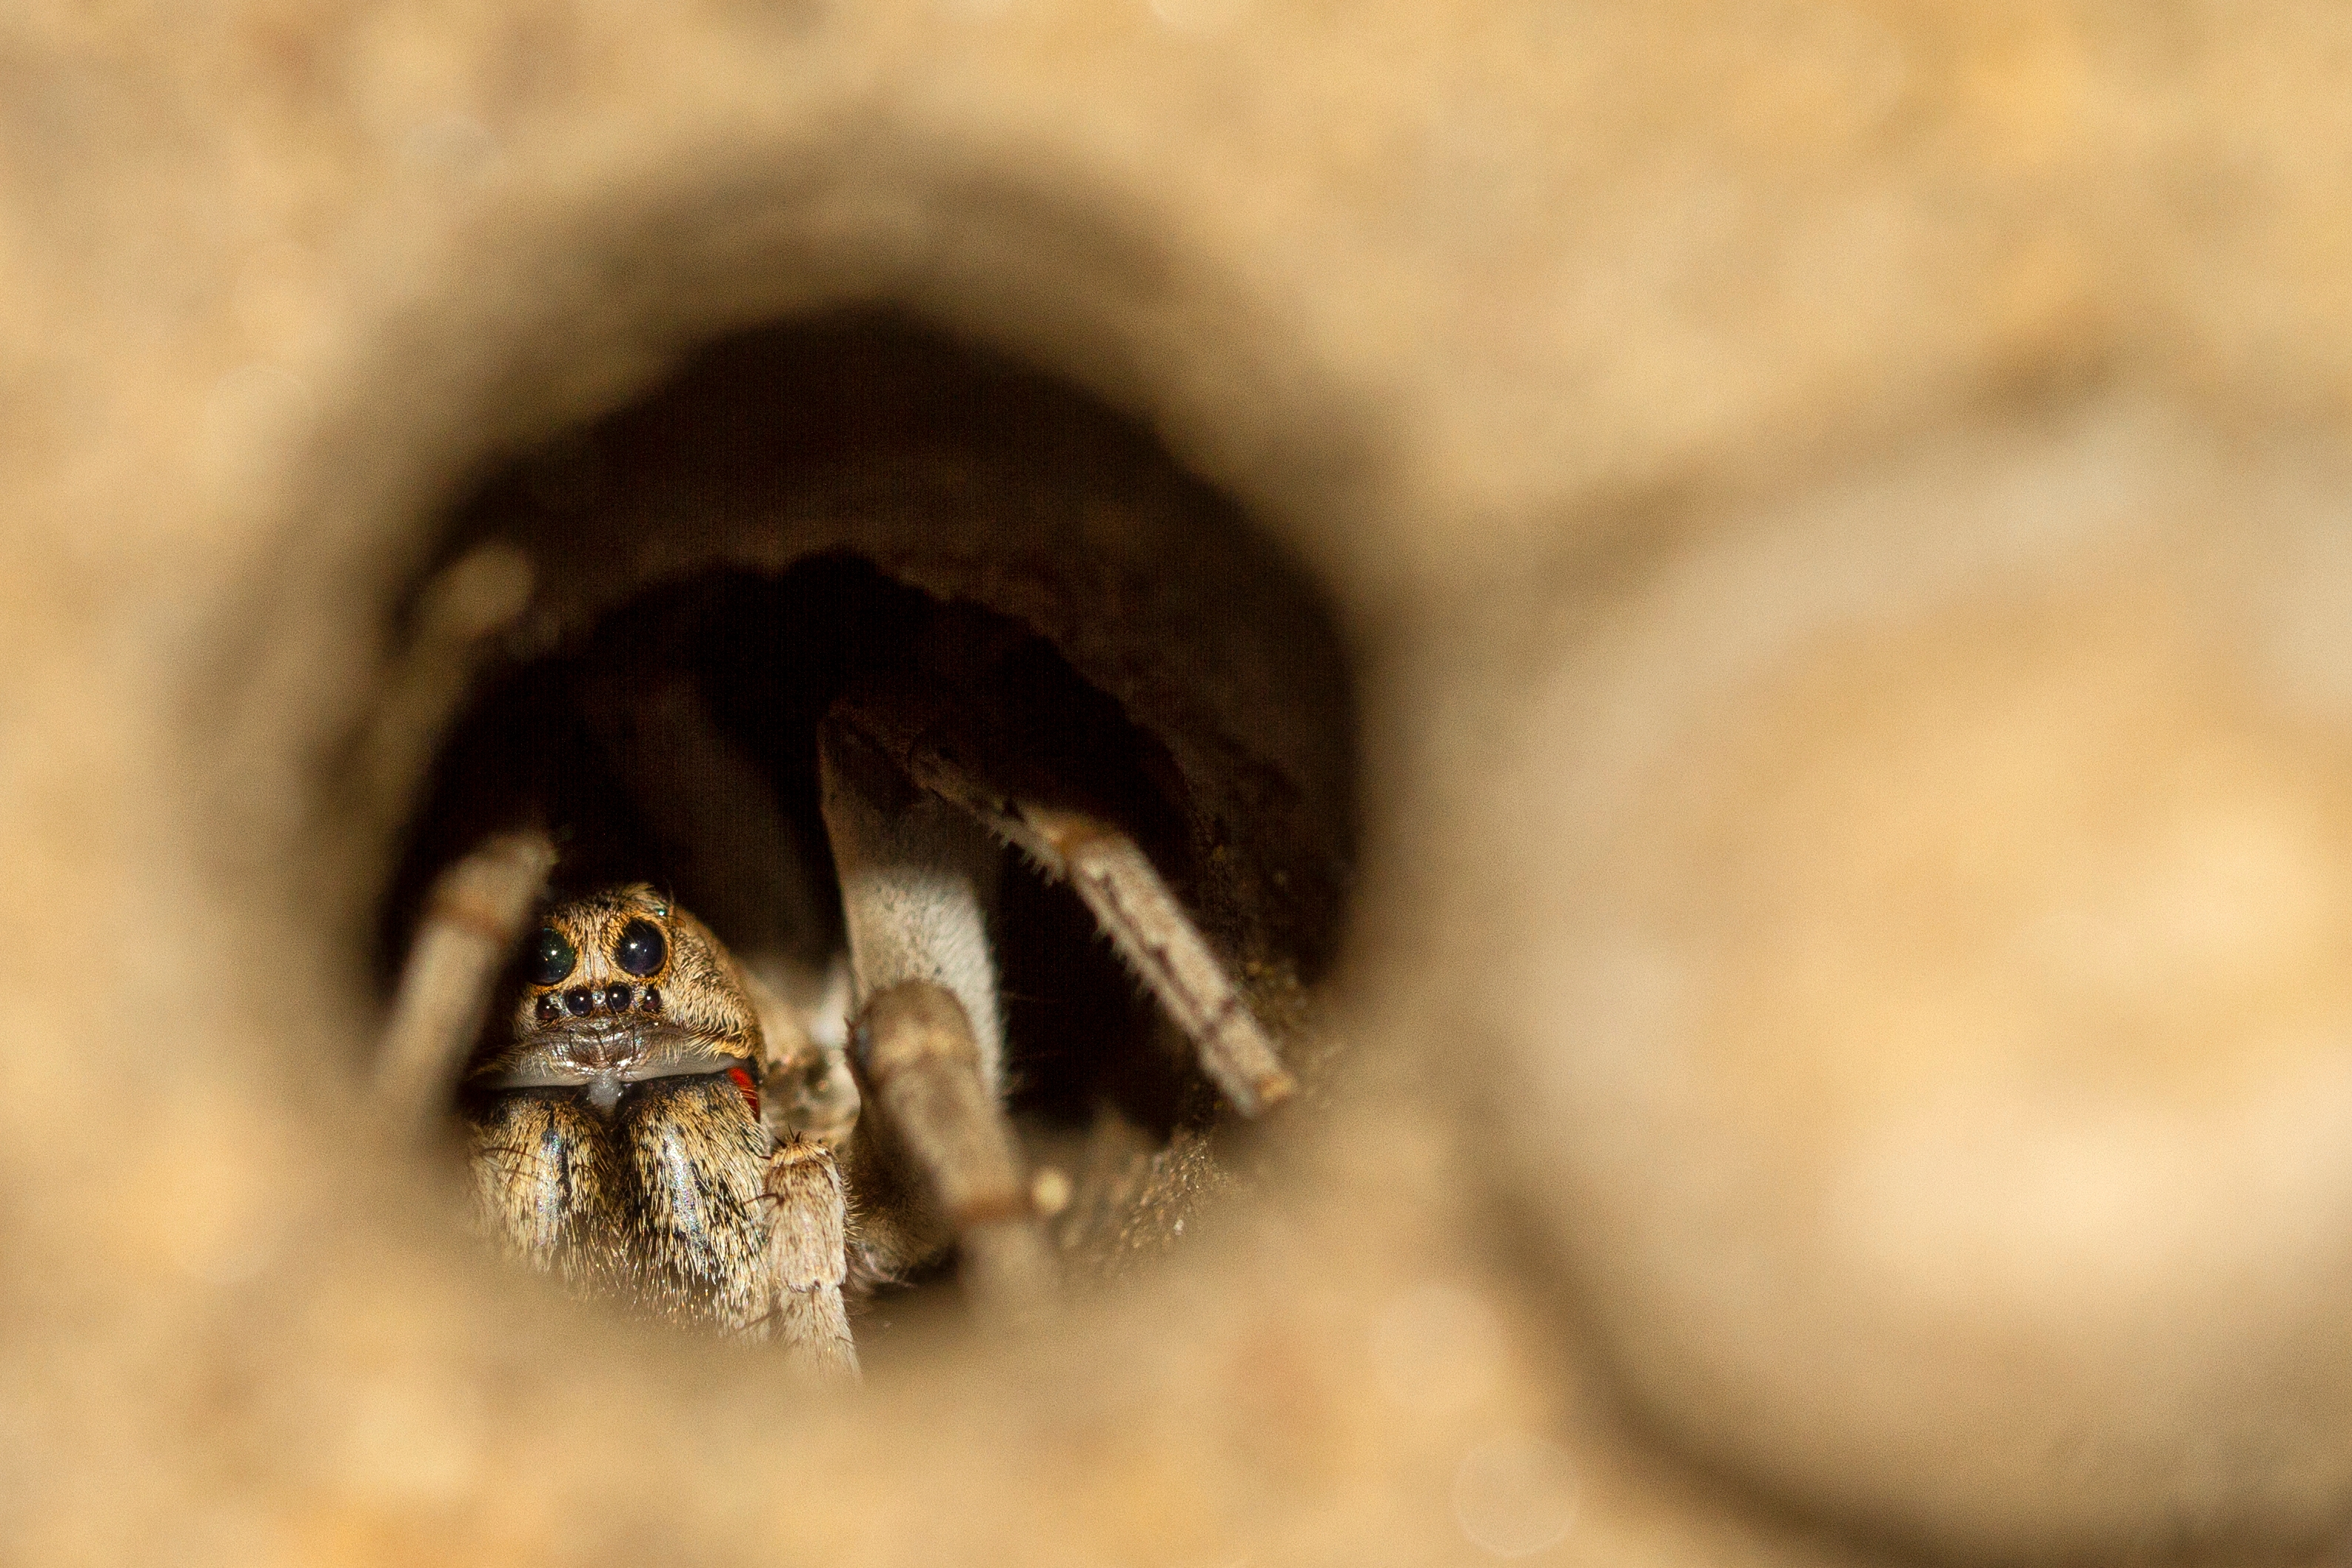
752, 1141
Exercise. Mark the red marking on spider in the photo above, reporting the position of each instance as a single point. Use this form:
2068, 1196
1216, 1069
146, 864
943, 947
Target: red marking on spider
750, 1091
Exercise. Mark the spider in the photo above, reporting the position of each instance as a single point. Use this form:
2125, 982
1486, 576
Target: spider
751, 1142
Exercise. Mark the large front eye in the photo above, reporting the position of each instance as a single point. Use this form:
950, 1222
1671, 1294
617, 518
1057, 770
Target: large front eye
551, 957
641, 948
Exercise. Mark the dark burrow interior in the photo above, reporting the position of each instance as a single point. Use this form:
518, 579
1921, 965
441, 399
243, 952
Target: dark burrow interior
801, 504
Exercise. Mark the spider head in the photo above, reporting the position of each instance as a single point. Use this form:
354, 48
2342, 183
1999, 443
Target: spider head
619, 987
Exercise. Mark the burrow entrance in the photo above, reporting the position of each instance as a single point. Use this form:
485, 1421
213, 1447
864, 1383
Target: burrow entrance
803, 503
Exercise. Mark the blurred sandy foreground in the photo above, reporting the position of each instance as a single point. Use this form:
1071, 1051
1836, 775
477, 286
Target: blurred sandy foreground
1839, 516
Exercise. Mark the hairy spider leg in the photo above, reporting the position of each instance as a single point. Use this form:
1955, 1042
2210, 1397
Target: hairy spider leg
460, 618
808, 1244
916, 877
478, 907
1119, 887
477, 911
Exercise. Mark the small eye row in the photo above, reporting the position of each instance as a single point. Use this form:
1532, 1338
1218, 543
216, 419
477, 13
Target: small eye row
640, 951
582, 1000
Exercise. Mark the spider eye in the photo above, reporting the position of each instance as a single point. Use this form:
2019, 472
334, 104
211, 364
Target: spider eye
551, 957
641, 948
